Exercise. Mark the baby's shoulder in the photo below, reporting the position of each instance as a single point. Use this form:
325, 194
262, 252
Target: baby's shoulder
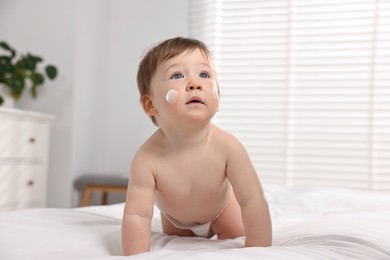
145, 159
230, 145
147, 149
225, 139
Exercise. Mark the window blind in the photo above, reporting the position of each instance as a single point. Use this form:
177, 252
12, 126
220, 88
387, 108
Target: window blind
305, 85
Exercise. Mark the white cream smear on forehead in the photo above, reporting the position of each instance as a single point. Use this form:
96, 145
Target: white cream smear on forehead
171, 96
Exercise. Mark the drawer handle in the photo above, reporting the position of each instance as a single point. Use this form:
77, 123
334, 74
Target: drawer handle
32, 140
30, 183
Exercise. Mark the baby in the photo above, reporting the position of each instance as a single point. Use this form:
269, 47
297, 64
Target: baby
199, 176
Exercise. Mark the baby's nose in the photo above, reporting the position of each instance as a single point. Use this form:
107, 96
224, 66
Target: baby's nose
194, 86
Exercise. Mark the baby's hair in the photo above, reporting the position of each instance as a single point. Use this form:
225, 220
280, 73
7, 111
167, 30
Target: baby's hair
164, 51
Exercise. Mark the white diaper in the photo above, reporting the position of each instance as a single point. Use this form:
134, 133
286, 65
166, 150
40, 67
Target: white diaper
201, 230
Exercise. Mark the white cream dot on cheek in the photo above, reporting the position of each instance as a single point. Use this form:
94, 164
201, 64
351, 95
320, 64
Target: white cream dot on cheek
171, 96
215, 92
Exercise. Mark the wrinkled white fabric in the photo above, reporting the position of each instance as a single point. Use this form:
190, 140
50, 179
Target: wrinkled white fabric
307, 224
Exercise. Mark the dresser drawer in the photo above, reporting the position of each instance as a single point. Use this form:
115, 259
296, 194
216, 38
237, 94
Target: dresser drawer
24, 143
22, 186
23, 138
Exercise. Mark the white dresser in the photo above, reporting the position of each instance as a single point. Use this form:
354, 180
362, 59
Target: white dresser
24, 144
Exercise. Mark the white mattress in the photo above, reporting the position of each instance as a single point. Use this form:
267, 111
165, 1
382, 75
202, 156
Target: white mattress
307, 224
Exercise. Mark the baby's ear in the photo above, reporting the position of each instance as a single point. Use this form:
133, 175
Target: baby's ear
148, 106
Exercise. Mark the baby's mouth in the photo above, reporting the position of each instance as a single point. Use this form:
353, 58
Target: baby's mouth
195, 100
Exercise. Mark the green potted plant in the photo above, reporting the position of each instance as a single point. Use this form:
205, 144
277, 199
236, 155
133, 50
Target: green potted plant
18, 73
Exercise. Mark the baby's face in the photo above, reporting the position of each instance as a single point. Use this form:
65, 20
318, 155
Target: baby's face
185, 88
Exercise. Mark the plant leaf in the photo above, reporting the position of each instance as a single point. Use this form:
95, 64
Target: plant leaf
37, 79
51, 71
5, 65
27, 63
16, 86
1, 100
5, 46
36, 59
33, 91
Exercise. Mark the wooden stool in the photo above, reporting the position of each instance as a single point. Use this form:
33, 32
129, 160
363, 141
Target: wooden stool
104, 183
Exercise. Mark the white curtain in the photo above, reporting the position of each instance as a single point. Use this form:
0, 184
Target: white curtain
305, 85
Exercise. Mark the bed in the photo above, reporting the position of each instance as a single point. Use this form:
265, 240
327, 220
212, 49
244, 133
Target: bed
308, 223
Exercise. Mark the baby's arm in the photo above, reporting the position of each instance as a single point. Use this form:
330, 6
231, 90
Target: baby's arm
136, 223
250, 195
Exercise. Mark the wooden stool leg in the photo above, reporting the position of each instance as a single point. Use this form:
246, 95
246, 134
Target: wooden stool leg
87, 196
105, 198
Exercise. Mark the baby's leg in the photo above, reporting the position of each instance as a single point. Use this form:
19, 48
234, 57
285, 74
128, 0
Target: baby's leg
171, 230
229, 223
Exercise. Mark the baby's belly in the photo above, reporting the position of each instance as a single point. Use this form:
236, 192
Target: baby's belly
196, 208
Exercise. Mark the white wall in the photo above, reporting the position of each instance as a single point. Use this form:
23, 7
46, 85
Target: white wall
96, 45
134, 26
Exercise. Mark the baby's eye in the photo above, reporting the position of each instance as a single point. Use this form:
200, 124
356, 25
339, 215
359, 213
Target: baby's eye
204, 75
177, 76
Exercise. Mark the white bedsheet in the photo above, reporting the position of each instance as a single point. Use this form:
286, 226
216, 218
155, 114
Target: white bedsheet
307, 224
